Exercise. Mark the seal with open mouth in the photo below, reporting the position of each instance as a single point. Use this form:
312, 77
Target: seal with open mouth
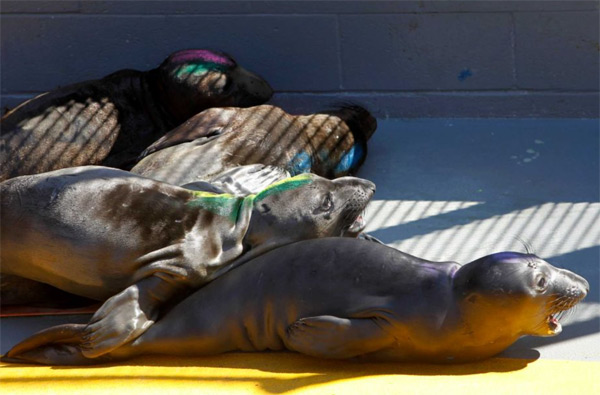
345, 298
106, 233
331, 143
111, 120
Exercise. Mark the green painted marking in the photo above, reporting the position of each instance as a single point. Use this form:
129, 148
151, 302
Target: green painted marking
284, 185
199, 68
211, 195
227, 205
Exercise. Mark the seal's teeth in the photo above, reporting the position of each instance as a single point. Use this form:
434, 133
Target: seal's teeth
356, 227
553, 325
361, 218
359, 222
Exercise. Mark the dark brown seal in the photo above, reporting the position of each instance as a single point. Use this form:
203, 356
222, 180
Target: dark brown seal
111, 120
98, 232
330, 144
344, 298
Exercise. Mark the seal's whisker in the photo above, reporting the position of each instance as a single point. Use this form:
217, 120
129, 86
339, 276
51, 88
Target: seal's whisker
559, 304
570, 312
562, 306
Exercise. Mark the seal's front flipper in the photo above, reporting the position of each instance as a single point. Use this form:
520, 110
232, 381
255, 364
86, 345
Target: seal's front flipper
333, 337
248, 179
194, 129
241, 180
119, 320
203, 186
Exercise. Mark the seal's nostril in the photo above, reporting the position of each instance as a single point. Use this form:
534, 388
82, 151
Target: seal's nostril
369, 185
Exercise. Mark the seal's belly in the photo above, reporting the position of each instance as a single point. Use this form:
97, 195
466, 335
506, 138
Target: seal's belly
94, 259
94, 271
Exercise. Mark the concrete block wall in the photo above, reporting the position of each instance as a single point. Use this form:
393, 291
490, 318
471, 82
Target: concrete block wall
399, 58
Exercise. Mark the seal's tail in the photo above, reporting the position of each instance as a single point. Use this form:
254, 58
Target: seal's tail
58, 345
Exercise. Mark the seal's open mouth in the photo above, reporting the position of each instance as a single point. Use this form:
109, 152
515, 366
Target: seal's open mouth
354, 229
358, 225
560, 308
554, 327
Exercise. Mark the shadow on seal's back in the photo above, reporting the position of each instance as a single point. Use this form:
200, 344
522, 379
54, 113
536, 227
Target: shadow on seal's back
111, 120
330, 143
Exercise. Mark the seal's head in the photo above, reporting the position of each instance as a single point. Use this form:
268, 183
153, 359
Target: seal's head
517, 294
197, 79
309, 206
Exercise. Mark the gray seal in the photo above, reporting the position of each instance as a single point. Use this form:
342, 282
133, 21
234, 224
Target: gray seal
238, 181
345, 298
110, 121
106, 233
331, 143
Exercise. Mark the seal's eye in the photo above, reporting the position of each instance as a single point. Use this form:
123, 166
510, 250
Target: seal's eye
327, 203
541, 283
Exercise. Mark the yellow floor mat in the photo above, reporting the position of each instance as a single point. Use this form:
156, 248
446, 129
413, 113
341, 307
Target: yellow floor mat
287, 373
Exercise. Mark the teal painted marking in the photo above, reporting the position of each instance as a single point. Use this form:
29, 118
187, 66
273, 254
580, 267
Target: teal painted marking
199, 68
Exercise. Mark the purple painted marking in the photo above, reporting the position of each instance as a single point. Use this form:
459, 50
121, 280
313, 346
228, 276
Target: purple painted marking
201, 54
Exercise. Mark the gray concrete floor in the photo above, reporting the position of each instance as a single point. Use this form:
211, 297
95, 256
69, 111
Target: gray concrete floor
458, 189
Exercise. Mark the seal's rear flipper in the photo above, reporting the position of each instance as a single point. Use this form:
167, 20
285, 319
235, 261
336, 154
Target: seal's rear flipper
58, 345
54, 354
333, 337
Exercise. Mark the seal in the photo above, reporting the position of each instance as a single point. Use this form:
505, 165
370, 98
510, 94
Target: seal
345, 298
106, 233
330, 144
238, 181
111, 120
